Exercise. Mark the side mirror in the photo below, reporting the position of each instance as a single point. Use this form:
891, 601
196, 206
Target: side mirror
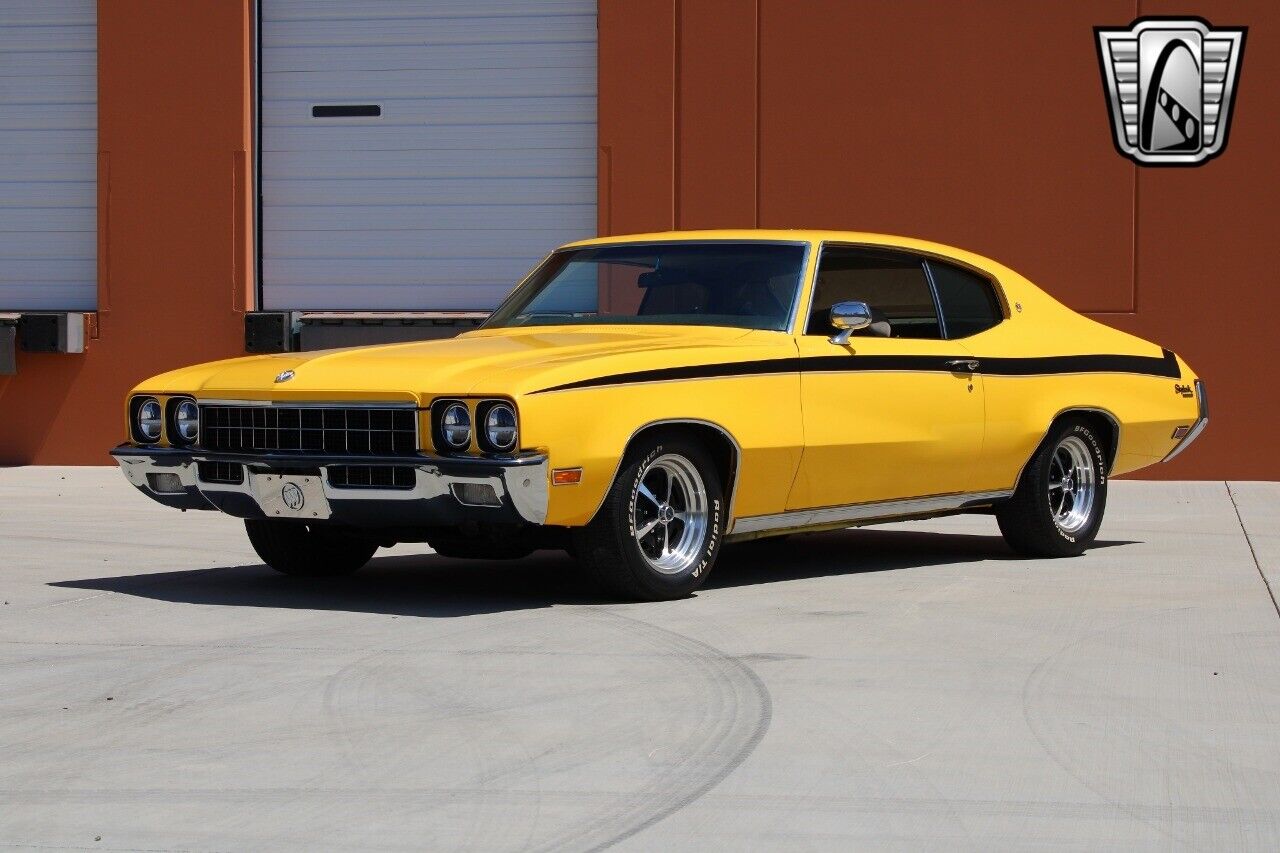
848, 317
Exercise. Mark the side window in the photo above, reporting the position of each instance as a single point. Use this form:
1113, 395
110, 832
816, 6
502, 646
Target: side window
969, 303
893, 285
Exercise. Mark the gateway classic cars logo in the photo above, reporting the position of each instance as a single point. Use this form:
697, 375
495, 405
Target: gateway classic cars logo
1170, 83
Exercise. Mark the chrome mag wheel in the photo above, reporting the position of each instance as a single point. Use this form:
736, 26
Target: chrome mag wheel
669, 517
1073, 484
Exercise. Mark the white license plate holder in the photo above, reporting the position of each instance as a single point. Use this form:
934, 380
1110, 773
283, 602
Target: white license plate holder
290, 496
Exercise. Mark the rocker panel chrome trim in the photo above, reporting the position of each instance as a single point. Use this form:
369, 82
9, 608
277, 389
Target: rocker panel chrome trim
801, 518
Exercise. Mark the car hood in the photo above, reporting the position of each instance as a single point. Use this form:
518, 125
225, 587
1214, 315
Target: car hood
499, 362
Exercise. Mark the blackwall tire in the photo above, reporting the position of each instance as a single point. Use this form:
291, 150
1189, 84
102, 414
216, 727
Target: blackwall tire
309, 551
659, 530
1058, 505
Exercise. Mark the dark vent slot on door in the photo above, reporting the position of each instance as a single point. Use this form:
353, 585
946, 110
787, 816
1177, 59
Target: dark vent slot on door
346, 111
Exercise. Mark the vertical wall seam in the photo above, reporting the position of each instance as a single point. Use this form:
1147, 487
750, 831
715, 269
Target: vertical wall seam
675, 114
757, 117
104, 232
1133, 293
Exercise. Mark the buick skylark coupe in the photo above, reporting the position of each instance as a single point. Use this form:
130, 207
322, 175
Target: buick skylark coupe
640, 401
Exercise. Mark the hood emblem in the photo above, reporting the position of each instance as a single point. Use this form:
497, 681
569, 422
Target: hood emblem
285, 376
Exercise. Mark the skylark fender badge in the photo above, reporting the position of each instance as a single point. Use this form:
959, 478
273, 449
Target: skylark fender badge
285, 376
1170, 84
1184, 390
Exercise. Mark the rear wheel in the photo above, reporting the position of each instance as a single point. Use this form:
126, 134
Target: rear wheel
307, 550
659, 530
1058, 505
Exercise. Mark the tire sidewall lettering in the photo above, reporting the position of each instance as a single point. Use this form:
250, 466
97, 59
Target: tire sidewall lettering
1095, 451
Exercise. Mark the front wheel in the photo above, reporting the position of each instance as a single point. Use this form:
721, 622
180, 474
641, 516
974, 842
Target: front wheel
1057, 508
659, 530
307, 550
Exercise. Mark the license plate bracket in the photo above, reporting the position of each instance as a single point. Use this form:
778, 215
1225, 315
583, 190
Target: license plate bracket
290, 496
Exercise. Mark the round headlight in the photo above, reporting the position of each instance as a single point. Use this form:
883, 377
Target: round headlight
455, 426
149, 420
500, 427
186, 421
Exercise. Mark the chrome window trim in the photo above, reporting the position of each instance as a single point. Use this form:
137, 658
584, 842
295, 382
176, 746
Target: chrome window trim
795, 303
937, 300
925, 257
799, 519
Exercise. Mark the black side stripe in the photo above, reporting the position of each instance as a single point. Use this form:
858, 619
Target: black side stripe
1142, 365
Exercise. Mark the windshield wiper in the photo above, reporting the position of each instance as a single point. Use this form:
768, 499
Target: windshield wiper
539, 315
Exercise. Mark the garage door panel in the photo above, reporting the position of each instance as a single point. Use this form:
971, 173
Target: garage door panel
48, 166
457, 295
436, 163
36, 141
21, 38
526, 54
404, 191
426, 31
396, 9
40, 245
55, 113
415, 217
483, 157
36, 194
48, 155
505, 137
29, 219
436, 111
377, 85
434, 243
460, 271
58, 271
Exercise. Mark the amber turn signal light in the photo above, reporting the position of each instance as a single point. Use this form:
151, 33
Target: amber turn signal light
566, 476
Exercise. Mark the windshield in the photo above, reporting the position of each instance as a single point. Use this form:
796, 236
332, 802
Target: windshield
745, 285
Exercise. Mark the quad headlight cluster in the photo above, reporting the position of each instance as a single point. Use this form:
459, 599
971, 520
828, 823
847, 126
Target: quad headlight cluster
495, 428
180, 417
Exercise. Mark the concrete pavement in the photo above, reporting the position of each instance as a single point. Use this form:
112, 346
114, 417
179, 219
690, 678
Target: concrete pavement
892, 688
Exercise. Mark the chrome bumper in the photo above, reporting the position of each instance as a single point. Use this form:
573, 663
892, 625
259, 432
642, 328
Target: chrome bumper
1202, 421
519, 487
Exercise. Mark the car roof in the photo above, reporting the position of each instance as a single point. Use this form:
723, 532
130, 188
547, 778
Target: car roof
801, 236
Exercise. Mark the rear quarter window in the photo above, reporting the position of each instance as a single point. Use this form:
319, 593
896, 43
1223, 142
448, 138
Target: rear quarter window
968, 301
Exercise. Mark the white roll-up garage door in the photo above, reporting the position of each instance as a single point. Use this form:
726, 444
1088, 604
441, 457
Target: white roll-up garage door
48, 155
424, 155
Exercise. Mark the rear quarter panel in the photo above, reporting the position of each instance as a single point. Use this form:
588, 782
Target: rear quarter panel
1020, 409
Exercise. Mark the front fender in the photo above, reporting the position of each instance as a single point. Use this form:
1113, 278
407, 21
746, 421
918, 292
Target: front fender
589, 428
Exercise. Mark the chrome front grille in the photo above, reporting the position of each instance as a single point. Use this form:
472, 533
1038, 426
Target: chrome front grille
316, 429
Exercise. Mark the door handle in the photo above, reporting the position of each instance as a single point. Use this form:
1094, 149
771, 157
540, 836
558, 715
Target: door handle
966, 365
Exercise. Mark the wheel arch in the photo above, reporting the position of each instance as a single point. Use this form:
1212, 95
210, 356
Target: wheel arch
1107, 424
724, 448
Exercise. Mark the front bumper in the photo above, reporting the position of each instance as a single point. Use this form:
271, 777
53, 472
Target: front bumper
519, 485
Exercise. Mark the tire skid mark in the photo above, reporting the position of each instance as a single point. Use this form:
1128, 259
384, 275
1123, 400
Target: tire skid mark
1176, 823
737, 712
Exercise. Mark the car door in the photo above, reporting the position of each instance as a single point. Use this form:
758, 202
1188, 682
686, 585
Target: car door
897, 412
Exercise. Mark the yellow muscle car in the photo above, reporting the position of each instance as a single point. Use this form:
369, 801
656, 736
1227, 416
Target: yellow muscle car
639, 401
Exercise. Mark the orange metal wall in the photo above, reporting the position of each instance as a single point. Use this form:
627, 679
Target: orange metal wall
174, 255
978, 124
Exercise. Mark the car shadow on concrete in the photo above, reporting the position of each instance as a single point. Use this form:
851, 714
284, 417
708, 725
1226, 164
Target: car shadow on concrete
426, 585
